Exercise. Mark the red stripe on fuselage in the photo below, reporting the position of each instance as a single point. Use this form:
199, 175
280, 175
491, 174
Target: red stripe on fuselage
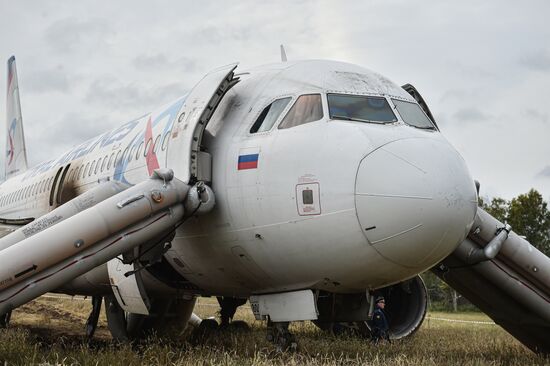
151, 157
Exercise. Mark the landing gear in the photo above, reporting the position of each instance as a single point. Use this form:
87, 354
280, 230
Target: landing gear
116, 319
5, 319
278, 334
91, 323
206, 328
229, 306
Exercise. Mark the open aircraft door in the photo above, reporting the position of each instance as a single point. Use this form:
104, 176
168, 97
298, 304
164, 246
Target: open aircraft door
189, 164
184, 152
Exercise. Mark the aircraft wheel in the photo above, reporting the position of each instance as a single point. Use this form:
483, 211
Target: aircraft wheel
239, 325
206, 328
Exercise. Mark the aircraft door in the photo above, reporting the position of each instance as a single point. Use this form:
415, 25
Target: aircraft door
54, 186
184, 155
60, 192
65, 192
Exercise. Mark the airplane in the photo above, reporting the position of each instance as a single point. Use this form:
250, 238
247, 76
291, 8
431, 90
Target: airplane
307, 188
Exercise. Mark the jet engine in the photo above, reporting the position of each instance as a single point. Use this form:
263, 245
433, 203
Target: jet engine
406, 305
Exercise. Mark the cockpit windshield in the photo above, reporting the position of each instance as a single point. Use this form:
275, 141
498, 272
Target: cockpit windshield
360, 108
412, 114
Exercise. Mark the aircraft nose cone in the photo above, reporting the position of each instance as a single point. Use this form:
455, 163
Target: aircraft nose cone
415, 201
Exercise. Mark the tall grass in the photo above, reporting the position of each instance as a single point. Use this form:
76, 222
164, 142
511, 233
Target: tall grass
61, 342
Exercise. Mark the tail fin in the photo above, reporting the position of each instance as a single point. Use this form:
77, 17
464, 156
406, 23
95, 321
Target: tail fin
16, 152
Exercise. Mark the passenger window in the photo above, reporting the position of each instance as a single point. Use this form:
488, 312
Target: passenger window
91, 169
156, 145
307, 108
147, 147
97, 166
165, 140
115, 163
125, 155
269, 115
111, 161
138, 153
104, 162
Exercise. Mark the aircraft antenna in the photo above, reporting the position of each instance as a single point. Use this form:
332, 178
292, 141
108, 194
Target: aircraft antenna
283, 54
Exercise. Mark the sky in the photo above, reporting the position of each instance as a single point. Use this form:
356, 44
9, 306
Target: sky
482, 66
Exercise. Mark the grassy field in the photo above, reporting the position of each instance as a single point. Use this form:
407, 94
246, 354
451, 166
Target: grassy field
50, 331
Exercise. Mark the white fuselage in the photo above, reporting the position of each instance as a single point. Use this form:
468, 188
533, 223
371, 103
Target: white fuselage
386, 201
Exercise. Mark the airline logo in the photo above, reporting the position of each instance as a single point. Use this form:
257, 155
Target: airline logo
248, 158
151, 157
11, 149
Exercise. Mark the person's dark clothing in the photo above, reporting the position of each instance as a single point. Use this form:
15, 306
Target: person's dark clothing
380, 326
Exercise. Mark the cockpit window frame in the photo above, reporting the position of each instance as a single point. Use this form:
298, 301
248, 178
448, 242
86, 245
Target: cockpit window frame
279, 117
322, 101
397, 117
394, 107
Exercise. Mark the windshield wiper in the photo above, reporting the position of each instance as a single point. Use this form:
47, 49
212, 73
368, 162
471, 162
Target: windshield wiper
424, 128
335, 116
346, 118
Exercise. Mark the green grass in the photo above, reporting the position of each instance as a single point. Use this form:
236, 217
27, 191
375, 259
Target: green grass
55, 336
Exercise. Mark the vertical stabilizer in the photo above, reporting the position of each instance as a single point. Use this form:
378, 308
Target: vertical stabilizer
283, 54
16, 152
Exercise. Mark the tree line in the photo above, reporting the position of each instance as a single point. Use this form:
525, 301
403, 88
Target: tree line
527, 214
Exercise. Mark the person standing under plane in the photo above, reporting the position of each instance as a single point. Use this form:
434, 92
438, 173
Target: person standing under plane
380, 326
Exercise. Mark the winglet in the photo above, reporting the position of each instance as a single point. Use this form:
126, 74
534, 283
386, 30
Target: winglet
283, 54
16, 153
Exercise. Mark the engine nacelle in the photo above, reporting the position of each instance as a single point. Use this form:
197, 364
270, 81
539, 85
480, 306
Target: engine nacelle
406, 305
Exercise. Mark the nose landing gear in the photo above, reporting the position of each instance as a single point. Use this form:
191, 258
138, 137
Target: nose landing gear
279, 335
229, 306
91, 323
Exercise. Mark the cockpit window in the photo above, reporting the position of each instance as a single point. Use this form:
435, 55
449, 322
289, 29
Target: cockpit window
360, 108
269, 115
307, 108
412, 114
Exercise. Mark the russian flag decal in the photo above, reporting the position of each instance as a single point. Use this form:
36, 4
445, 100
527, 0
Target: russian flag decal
248, 159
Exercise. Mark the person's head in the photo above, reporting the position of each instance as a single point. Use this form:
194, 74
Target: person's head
380, 302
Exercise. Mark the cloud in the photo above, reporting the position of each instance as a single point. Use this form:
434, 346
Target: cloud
45, 81
159, 61
537, 115
544, 173
111, 92
537, 61
71, 34
470, 115
69, 130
